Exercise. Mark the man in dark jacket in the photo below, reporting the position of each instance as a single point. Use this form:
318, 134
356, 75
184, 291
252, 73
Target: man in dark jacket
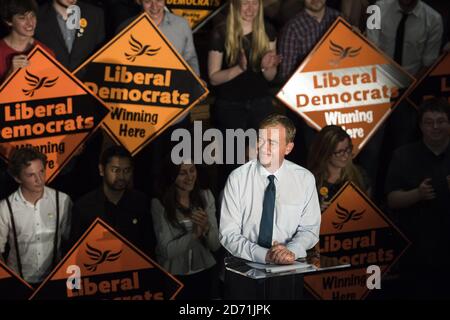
71, 46
124, 209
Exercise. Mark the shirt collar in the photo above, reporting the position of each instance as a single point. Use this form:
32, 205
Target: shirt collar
105, 198
415, 11
265, 173
167, 19
59, 17
442, 154
19, 196
325, 15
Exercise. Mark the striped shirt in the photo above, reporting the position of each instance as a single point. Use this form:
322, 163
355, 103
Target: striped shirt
299, 36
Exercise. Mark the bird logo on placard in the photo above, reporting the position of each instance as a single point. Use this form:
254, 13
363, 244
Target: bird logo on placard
100, 257
342, 52
345, 216
139, 49
37, 83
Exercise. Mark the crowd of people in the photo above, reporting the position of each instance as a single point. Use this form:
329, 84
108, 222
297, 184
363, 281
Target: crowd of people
267, 210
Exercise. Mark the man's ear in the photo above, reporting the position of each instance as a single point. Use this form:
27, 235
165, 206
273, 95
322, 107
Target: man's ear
101, 170
17, 180
289, 148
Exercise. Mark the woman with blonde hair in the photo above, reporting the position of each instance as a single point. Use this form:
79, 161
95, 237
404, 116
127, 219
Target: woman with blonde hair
330, 160
241, 62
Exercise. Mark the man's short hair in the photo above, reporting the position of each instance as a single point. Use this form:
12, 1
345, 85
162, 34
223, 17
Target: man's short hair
115, 151
434, 105
9, 8
21, 159
276, 119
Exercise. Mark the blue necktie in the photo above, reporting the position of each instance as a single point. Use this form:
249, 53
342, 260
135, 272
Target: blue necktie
266, 225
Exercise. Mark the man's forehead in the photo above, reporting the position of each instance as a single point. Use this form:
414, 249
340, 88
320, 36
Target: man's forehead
273, 130
435, 115
119, 162
31, 165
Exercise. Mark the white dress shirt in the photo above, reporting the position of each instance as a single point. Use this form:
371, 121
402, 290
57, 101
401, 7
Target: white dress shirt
35, 226
422, 38
296, 217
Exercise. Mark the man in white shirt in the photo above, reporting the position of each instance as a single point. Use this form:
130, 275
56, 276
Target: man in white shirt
422, 35
270, 210
411, 34
32, 221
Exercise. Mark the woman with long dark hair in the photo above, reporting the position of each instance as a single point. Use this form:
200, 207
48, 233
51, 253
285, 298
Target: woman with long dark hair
330, 160
184, 217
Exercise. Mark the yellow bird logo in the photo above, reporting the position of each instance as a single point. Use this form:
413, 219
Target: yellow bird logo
37, 83
345, 216
342, 52
139, 49
100, 257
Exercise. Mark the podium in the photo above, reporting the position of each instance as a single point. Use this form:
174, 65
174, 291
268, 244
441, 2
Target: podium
244, 282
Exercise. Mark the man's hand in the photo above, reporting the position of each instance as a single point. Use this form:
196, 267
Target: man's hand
425, 190
279, 254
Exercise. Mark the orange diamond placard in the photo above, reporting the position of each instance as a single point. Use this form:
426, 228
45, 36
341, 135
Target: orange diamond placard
12, 287
346, 81
44, 106
353, 230
107, 266
196, 12
434, 83
146, 83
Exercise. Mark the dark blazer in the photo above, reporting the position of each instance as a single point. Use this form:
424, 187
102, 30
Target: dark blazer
133, 219
49, 33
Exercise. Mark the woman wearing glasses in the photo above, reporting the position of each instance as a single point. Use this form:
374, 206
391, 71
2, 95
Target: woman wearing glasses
330, 160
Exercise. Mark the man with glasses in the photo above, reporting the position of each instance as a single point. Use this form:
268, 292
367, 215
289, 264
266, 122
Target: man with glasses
418, 190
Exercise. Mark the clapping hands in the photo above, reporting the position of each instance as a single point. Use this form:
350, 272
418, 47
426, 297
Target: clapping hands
270, 60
